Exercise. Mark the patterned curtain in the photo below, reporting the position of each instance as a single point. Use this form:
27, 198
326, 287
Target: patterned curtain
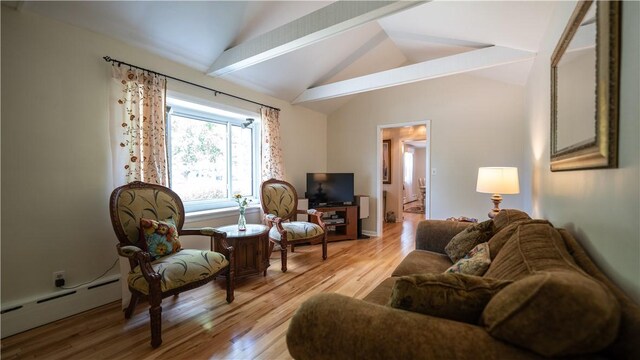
137, 118
272, 161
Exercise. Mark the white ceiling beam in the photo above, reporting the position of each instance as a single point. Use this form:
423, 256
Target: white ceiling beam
402, 35
323, 23
431, 69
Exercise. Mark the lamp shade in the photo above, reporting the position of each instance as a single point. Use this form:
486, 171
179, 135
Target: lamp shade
498, 180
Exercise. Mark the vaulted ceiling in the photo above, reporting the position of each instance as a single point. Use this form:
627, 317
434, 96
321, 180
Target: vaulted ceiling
320, 53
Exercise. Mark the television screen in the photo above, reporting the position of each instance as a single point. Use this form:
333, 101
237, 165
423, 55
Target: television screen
330, 188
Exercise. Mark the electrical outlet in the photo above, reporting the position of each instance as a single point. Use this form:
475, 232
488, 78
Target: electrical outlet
58, 278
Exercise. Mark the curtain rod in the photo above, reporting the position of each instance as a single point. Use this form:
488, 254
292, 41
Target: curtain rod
215, 92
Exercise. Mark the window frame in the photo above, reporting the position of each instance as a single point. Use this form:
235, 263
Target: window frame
184, 110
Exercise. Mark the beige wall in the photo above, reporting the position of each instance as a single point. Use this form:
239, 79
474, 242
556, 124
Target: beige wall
600, 207
56, 166
419, 169
474, 122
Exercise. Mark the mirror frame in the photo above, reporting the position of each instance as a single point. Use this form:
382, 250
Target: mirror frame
603, 152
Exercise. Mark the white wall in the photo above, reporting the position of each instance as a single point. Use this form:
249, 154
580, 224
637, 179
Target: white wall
56, 166
419, 169
600, 207
474, 122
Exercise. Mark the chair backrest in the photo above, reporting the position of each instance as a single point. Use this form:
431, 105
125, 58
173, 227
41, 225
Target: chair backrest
279, 198
129, 203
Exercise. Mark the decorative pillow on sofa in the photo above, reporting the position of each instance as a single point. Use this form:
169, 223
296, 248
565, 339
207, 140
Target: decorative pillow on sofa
451, 296
476, 262
468, 238
508, 216
501, 237
159, 237
533, 246
557, 313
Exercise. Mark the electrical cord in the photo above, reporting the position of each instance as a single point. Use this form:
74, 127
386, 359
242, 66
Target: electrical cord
89, 282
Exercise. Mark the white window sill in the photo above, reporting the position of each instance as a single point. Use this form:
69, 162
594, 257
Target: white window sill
213, 214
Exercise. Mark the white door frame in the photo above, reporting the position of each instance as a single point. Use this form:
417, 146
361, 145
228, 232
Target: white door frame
427, 205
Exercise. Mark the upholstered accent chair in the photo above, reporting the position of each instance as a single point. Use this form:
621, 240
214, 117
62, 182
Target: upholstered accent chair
280, 205
170, 274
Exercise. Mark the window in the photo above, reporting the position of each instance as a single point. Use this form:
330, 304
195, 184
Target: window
408, 168
212, 156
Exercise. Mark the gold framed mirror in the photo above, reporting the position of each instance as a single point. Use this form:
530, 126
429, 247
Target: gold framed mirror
585, 70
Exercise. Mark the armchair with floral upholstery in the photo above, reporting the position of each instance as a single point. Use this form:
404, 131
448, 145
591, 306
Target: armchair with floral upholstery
148, 220
279, 201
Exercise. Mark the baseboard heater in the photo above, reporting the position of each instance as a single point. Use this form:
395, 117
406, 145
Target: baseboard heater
28, 314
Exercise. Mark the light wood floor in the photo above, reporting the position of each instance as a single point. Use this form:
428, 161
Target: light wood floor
199, 324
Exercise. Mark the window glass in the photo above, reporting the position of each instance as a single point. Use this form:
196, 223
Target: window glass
241, 160
198, 154
211, 158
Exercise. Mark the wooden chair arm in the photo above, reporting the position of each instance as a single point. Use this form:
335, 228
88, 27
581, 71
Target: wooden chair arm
272, 220
310, 212
139, 257
315, 216
219, 238
128, 251
202, 232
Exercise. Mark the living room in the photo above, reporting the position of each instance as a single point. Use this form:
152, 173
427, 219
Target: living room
57, 175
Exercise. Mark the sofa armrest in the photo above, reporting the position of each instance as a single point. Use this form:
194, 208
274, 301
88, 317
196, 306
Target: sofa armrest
334, 326
434, 235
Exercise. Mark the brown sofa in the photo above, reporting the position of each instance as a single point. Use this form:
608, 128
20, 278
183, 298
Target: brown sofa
333, 326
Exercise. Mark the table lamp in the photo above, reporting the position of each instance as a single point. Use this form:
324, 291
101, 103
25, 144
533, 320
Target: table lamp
496, 181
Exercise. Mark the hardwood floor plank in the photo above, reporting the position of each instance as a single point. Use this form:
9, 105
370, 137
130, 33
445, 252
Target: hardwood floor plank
199, 324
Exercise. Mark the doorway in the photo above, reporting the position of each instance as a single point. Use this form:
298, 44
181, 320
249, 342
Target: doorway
403, 165
414, 176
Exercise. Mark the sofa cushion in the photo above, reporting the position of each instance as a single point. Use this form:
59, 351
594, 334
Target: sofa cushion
626, 344
501, 237
557, 313
421, 262
184, 267
452, 296
380, 295
532, 247
508, 216
476, 262
296, 230
468, 238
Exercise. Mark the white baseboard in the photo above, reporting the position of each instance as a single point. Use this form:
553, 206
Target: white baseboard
370, 233
20, 316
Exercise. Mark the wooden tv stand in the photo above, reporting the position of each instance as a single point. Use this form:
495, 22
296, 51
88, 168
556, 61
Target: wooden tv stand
346, 231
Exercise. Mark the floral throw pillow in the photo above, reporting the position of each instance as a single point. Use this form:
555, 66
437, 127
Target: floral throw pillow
160, 237
468, 238
476, 262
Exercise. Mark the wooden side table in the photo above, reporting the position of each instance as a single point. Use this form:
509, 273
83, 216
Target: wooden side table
251, 248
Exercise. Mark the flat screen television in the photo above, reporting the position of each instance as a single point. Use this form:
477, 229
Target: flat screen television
330, 189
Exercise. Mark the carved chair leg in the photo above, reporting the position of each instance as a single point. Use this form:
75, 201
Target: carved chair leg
231, 284
283, 257
155, 313
324, 247
293, 248
133, 302
271, 245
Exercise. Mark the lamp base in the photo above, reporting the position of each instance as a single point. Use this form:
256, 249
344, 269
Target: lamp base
497, 199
